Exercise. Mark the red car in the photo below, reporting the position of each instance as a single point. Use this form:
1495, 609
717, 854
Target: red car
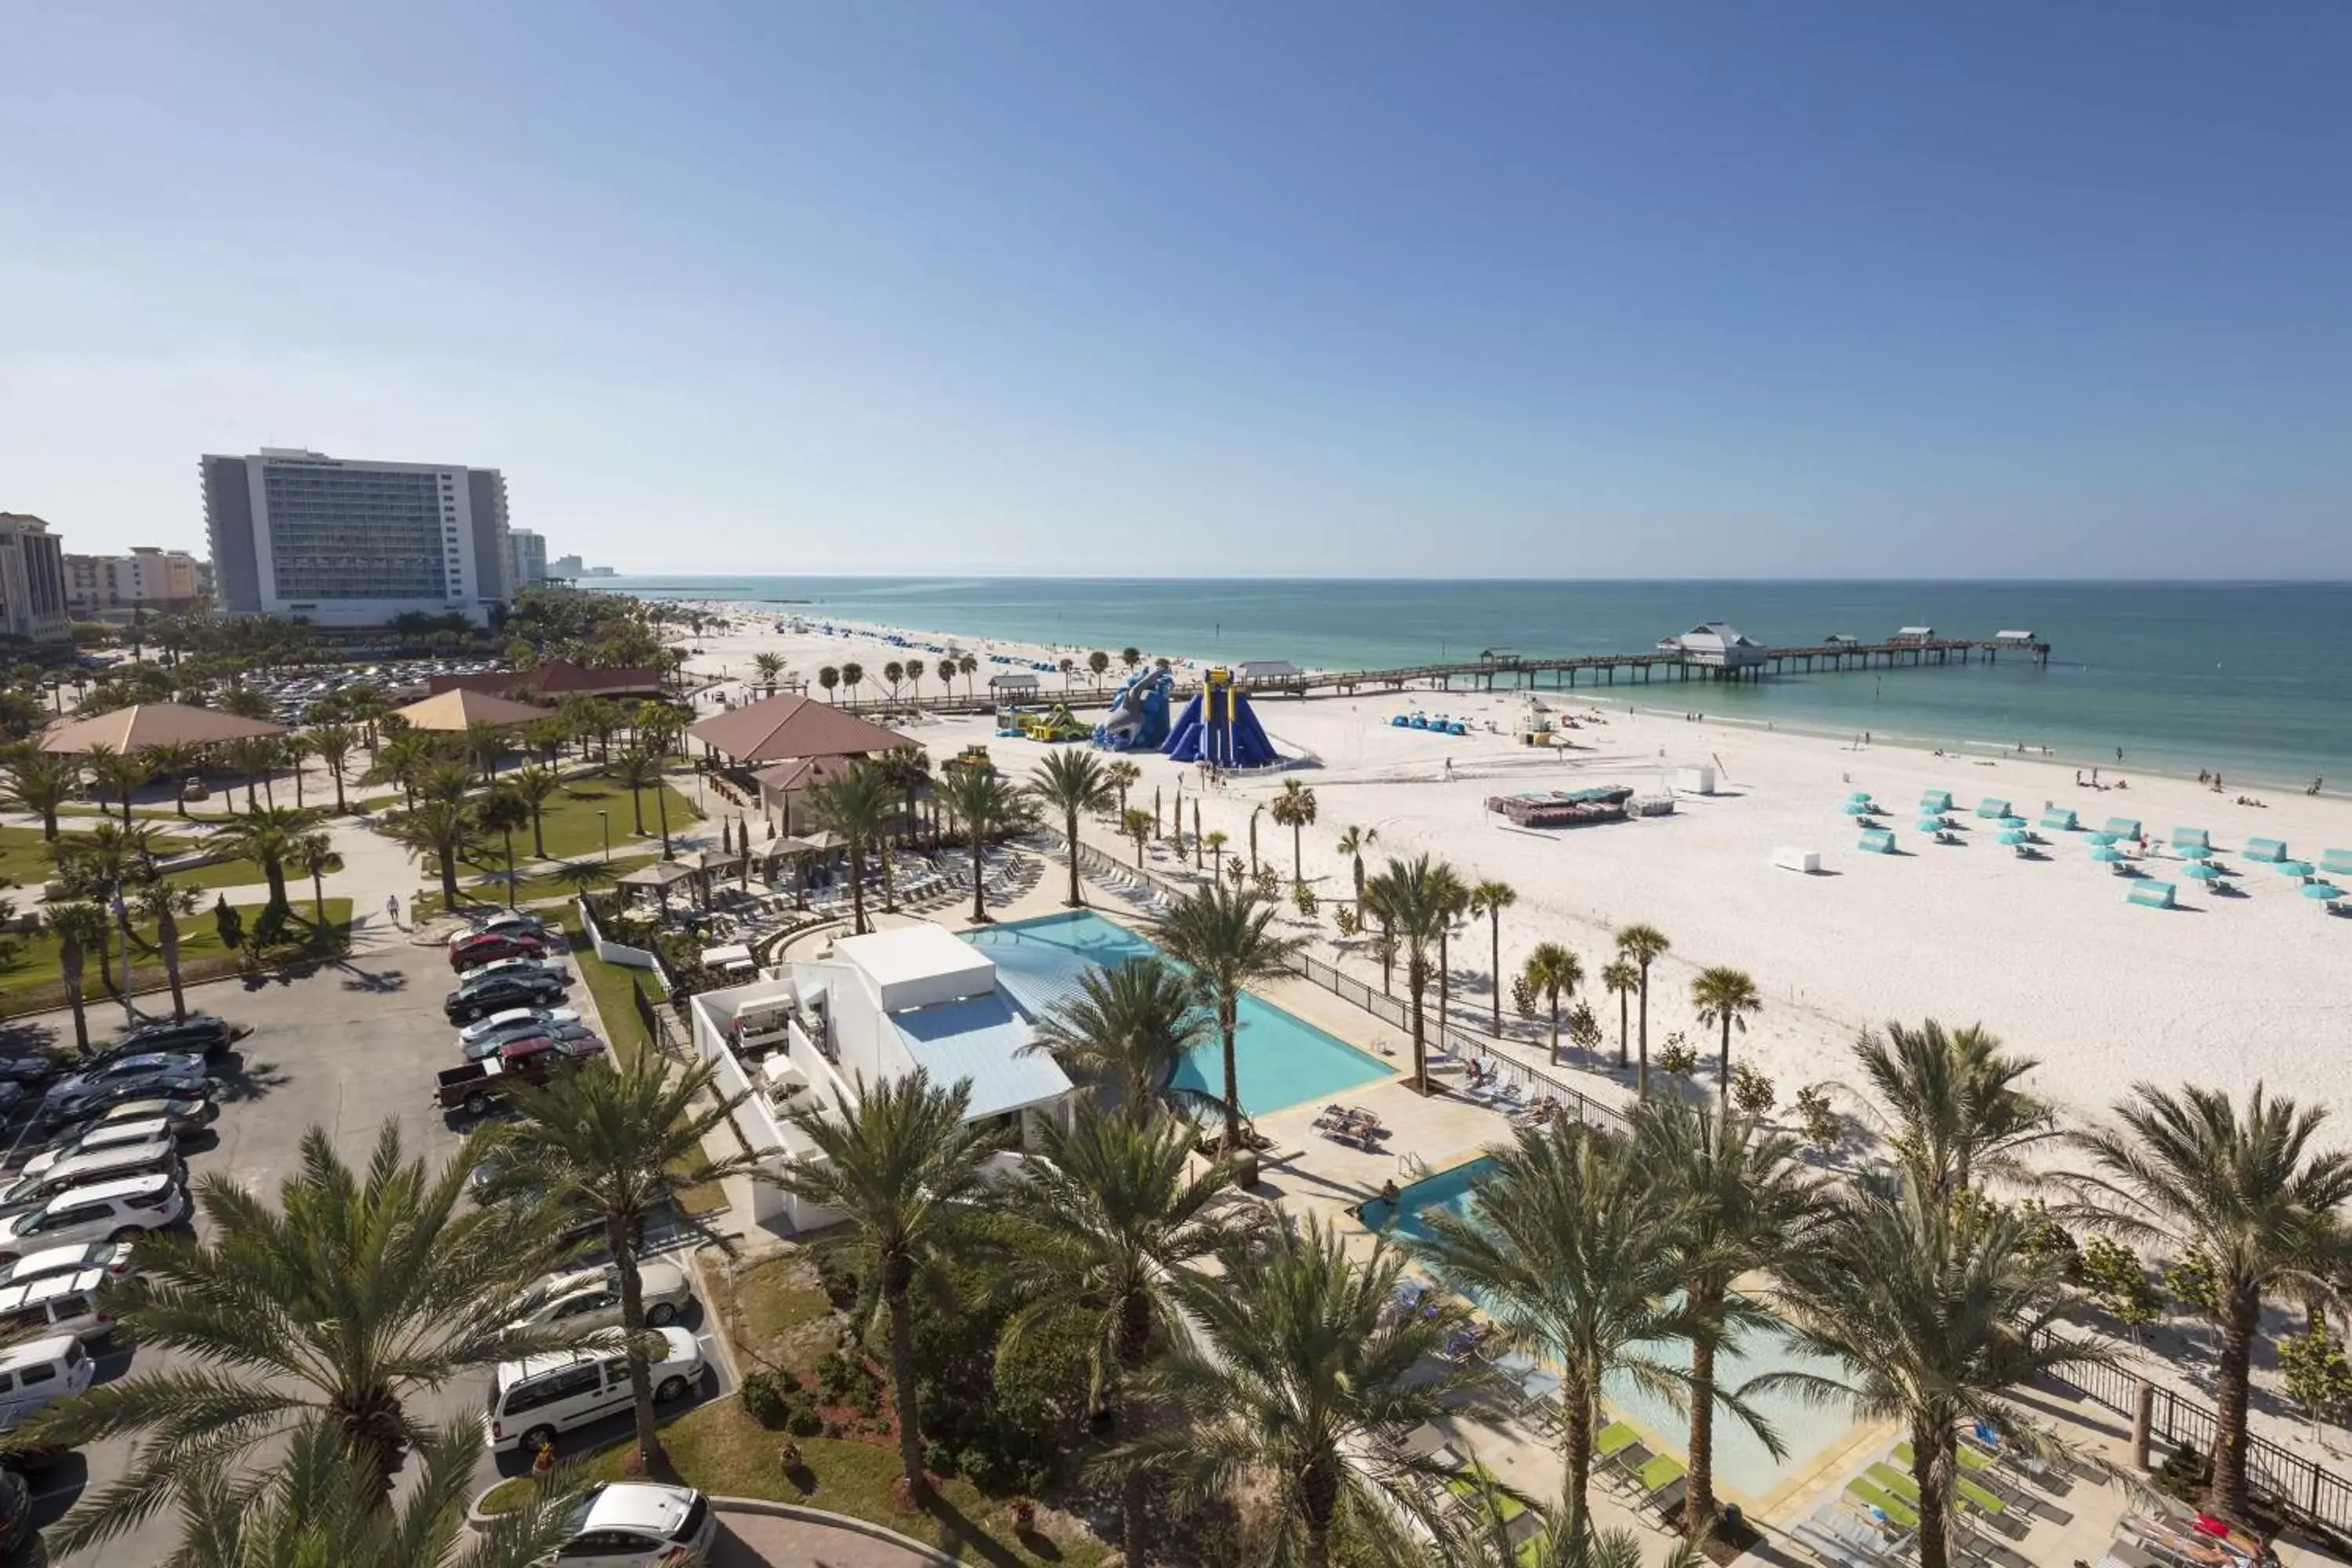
475, 952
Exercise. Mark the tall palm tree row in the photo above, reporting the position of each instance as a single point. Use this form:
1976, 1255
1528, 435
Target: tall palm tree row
1641, 946
1294, 809
1413, 900
1224, 937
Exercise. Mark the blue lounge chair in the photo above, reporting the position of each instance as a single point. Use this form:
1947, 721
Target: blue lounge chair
2059, 819
1992, 806
2269, 851
2153, 895
1878, 841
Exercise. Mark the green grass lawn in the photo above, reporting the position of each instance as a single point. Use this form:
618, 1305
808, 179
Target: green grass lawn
30, 982
571, 831
610, 984
572, 876
25, 859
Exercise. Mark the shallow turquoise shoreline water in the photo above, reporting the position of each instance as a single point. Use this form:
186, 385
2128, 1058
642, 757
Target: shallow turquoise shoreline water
2252, 679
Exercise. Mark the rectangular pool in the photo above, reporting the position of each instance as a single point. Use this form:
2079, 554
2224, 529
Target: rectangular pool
1741, 1460
1282, 1060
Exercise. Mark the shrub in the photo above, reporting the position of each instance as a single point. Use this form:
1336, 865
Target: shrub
837, 1375
803, 1421
939, 1458
1269, 881
1824, 1127
764, 1400
2317, 1375
2191, 1281
1678, 1056
1523, 998
1350, 922
1583, 1028
1302, 899
2118, 1281
1751, 1091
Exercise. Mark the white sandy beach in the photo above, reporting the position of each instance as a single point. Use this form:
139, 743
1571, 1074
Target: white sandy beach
2047, 953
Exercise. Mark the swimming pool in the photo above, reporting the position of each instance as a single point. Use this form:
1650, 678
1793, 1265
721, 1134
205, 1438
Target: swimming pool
1282, 1060
1741, 1460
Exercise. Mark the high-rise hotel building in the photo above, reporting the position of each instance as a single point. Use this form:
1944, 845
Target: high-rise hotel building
341, 542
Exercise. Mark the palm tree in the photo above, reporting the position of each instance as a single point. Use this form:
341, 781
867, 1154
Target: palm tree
78, 927
1072, 782
535, 785
1295, 1366
640, 772
118, 775
1098, 1242
1215, 842
334, 744
1643, 945
315, 852
402, 758
2243, 1190
443, 829
902, 1165
968, 665
1937, 1310
621, 1145
1295, 808
1958, 1111
267, 837
293, 750
1746, 1202
353, 1293
1553, 971
947, 673
1129, 657
164, 902
1221, 935
1130, 1025
1413, 900
39, 783
175, 761
986, 806
319, 1503
1121, 775
857, 804
1136, 822
770, 665
908, 771
481, 744
1620, 979
1456, 904
1727, 997
256, 758
1565, 1255
446, 781
1491, 897
828, 676
853, 675
501, 811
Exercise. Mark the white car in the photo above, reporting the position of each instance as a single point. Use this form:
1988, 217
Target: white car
36, 1376
591, 1298
637, 1524
57, 1304
109, 1258
518, 1021
110, 1134
534, 1399
110, 1210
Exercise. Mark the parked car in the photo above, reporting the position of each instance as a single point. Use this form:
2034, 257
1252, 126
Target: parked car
31, 1067
108, 1257
591, 1298
15, 1511
111, 1211
205, 1032
515, 1022
507, 922
29, 1189
473, 952
182, 1113
552, 967
638, 1525
92, 1137
573, 1035
160, 1073
479, 999
36, 1374
57, 1304
534, 1399
476, 1086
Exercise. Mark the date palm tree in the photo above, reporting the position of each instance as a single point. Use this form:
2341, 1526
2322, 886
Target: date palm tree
444, 829
1072, 782
353, 1293
535, 785
637, 771
1491, 897
1413, 902
1295, 1366
858, 804
1221, 935
402, 758
1748, 1202
267, 837
118, 775
902, 1165
1643, 945
1295, 808
334, 744
501, 811
1620, 979
1936, 1310
78, 928
622, 1145
163, 901
1098, 1244
1565, 1255
1130, 1027
39, 783
1726, 997
1553, 971
315, 852
2243, 1189
1958, 1112
986, 806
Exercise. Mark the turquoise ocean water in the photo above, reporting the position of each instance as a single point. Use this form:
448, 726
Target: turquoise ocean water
2252, 679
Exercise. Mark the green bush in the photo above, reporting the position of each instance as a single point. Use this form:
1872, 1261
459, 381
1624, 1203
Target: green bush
1751, 1091
1678, 1056
803, 1421
836, 1271
764, 1400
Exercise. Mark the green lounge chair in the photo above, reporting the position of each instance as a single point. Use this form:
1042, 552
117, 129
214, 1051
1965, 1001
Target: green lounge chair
1975, 1459
1975, 1494
1897, 1511
1663, 1469
1614, 1439
2269, 851
2153, 895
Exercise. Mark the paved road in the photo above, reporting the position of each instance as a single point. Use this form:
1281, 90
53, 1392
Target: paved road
750, 1539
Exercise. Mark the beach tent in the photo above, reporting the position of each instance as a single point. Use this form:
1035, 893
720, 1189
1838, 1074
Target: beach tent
1935, 800
2203, 871
2124, 827
2152, 895
1877, 841
2059, 819
1992, 806
2336, 862
2267, 849
2191, 839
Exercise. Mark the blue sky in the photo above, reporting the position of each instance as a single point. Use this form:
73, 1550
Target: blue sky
1796, 289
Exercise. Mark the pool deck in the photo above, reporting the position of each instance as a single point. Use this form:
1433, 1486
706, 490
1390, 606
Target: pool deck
1309, 1172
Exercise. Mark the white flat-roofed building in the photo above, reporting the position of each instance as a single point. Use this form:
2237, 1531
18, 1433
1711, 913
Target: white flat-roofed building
875, 1009
344, 542
148, 578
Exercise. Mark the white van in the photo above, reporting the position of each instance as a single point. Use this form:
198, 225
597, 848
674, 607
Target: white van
30, 1187
534, 1399
36, 1376
57, 1304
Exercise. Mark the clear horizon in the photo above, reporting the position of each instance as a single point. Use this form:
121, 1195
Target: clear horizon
1818, 292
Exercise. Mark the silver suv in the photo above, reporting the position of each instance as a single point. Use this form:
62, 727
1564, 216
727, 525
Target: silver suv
109, 1211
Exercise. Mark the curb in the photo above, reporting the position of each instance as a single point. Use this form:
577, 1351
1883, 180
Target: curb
835, 1521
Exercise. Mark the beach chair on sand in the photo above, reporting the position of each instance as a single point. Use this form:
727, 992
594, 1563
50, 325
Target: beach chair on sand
2269, 851
2153, 895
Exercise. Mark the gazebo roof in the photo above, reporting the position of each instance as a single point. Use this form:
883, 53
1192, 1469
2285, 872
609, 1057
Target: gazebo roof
134, 729
460, 709
660, 874
794, 726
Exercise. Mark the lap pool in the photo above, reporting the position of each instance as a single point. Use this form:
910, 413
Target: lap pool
1741, 1460
1282, 1060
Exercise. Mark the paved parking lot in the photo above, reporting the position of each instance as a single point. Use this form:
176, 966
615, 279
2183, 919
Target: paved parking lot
345, 1047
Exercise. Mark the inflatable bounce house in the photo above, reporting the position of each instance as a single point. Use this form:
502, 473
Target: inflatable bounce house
1219, 728
1139, 713
1055, 725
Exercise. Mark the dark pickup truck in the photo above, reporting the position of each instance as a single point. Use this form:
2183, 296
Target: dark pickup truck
476, 1086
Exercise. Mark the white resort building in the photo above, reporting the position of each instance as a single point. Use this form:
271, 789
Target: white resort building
875, 1009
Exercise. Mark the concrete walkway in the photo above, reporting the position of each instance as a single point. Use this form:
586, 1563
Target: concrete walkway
749, 1539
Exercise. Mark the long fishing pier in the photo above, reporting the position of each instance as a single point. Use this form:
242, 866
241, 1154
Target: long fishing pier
1691, 657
